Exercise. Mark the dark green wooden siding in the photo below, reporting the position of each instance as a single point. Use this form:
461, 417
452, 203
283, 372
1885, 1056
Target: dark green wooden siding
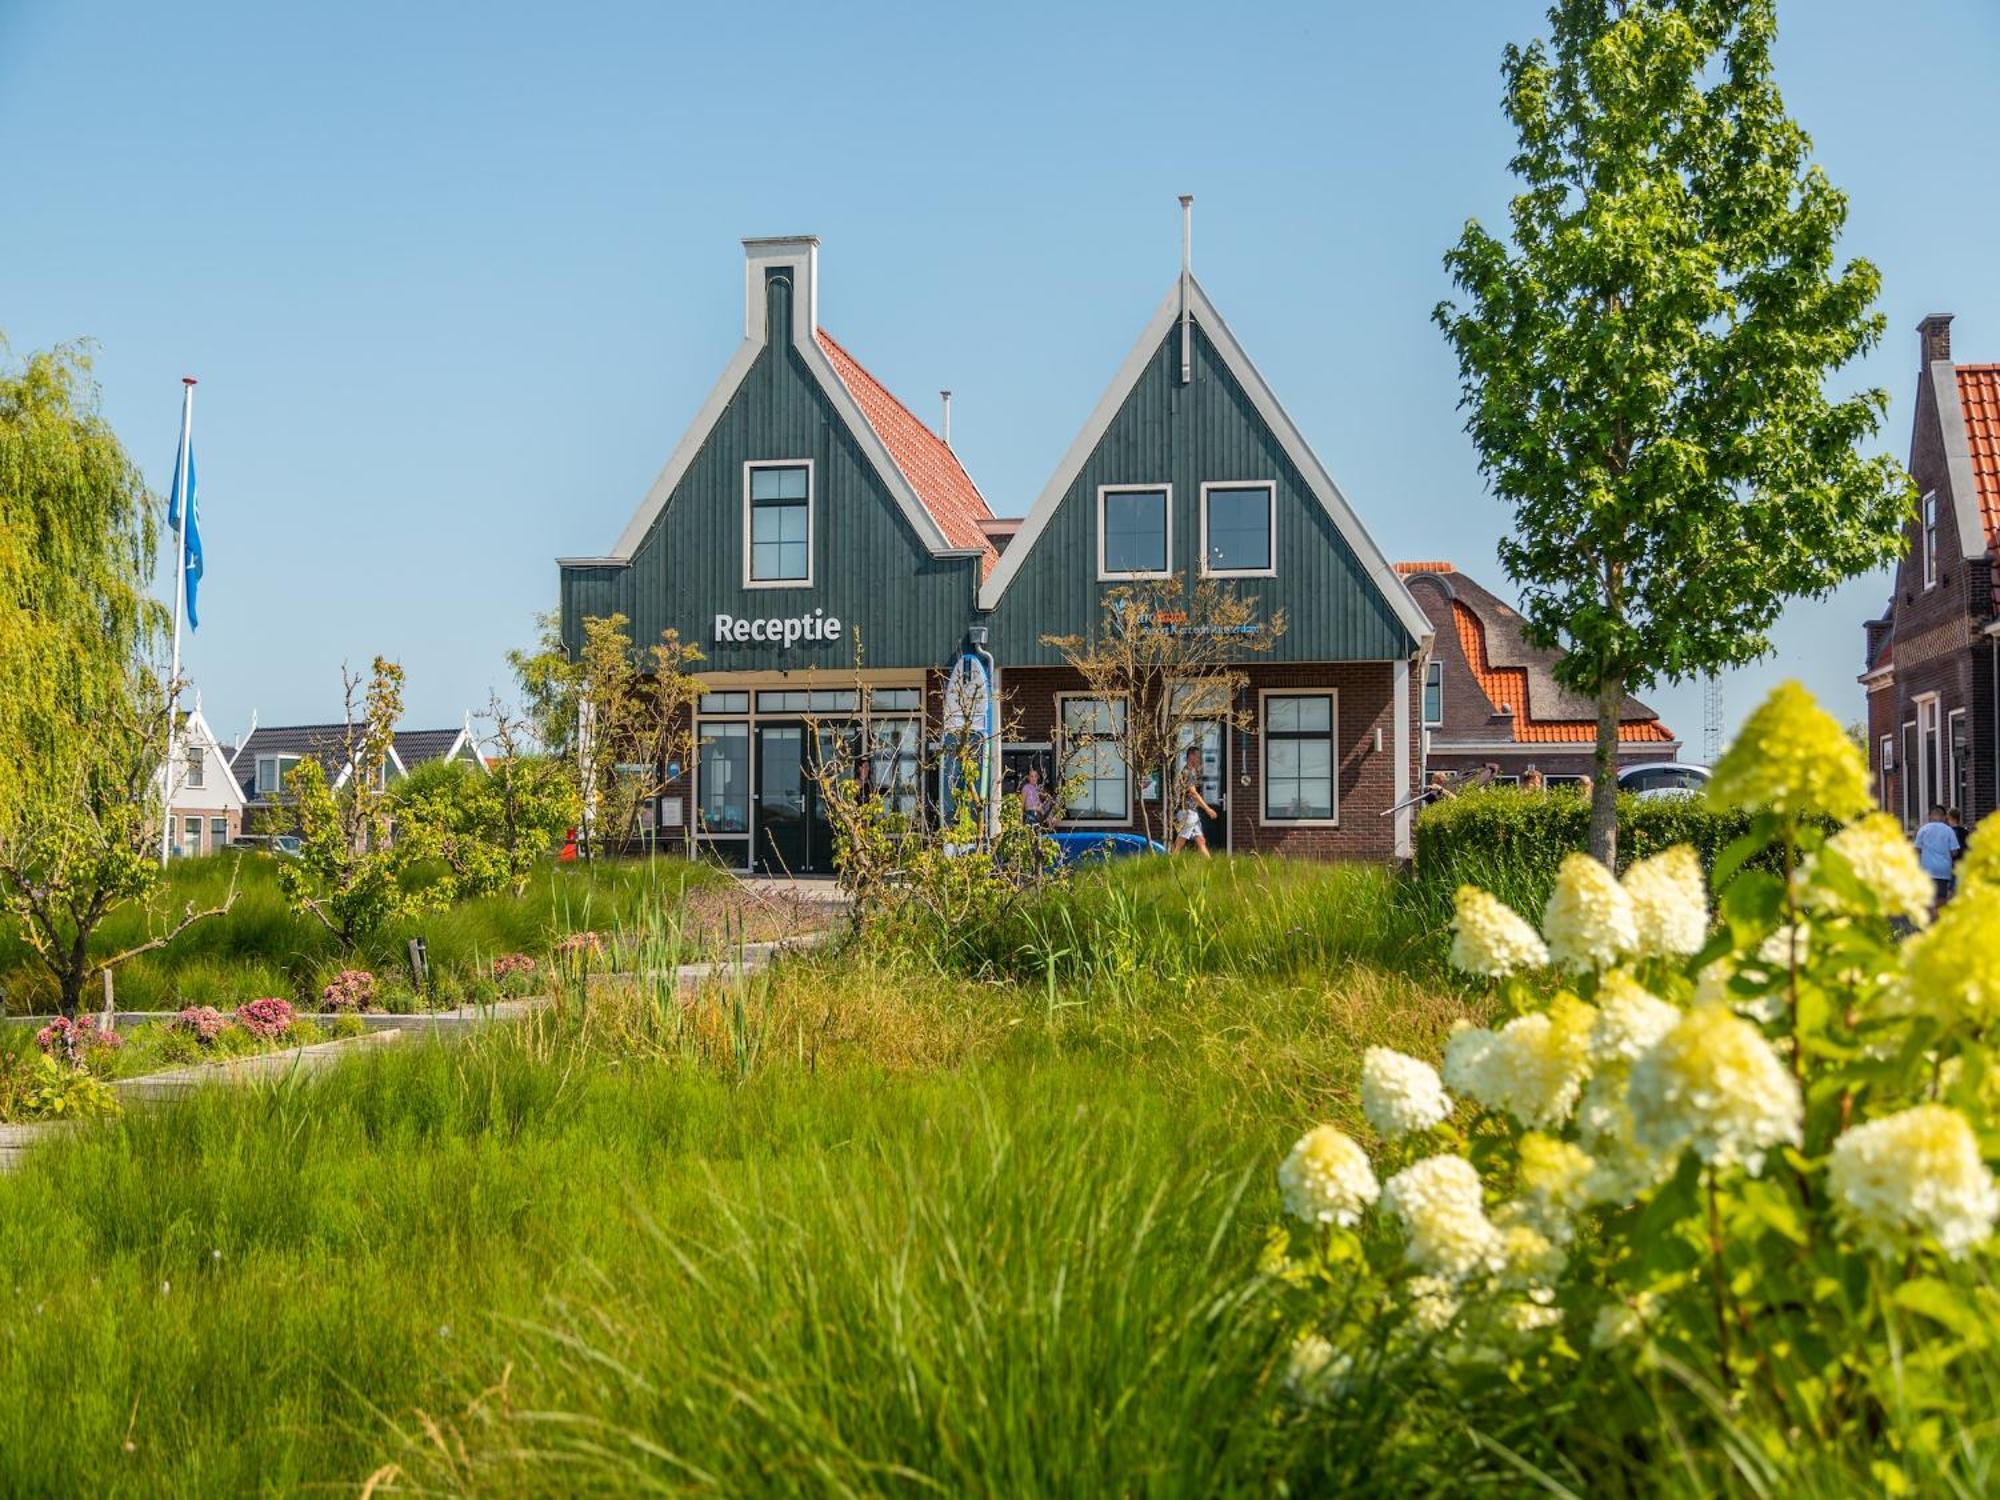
1206, 432
900, 604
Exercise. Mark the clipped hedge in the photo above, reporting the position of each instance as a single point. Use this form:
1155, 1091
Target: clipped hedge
1510, 841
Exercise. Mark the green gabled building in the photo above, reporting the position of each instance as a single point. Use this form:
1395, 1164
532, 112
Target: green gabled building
807, 519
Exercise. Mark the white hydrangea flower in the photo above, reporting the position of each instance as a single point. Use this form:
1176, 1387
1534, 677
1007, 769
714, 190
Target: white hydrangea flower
1913, 1175
1443, 1214
1618, 1323
1711, 985
1528, 1257
1401, 1094
1532, 1068
1629, 1019
1883, 859
1669, 904
1785, 947
1621, 1169
1434, 1303
1489, 937
1589, 921
1327, 1179
1315, 1372
1714, 1084
1533, 1312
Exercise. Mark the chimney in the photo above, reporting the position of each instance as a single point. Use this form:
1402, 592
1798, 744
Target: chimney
946, 432
796, 258
1187, 270
1934, 334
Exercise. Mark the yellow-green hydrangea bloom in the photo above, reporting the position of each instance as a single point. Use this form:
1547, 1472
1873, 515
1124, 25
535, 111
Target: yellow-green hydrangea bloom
1554, 1178
1589, 921
1714, 1085
1882, 859
1982, 854
1327, 1178
1489, 937
1910, 1176
1401, 1094
1669, 904
1953, 970
1532, 1068
1792, 757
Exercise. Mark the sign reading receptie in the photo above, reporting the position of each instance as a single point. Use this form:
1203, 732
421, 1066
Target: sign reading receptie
817, 626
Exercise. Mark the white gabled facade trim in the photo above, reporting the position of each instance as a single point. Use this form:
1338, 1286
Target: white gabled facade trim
1958, 461
1376, 566
798, 255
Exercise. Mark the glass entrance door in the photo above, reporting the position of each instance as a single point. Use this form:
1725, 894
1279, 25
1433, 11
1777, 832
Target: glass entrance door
783, 845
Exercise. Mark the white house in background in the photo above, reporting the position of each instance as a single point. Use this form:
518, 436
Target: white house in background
207, 805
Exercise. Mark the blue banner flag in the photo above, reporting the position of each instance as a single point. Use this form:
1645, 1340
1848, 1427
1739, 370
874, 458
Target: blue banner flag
189, 538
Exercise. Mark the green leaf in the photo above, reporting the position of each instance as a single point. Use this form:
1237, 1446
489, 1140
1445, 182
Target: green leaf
1945, 1304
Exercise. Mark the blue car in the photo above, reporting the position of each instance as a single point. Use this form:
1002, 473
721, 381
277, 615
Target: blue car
1083, 848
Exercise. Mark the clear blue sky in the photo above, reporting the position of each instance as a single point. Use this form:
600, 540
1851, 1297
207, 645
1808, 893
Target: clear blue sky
455, 278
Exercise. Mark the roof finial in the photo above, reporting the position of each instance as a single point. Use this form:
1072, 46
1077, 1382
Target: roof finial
945, 434
1187, 271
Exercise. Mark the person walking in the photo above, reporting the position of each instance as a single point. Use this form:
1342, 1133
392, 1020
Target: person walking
1937, 851
1193, 806
1531, 780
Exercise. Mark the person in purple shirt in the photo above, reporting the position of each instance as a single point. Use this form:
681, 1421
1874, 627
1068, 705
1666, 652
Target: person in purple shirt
1937, 846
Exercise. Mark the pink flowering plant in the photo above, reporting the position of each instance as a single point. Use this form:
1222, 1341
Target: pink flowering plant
350, 989
202, 1022
73, 1041
269, 1018
513, 972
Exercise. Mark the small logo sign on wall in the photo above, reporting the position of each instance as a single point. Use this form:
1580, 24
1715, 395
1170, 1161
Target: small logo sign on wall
815, 627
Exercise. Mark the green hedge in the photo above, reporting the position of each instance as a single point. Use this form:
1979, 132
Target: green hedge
1510, 841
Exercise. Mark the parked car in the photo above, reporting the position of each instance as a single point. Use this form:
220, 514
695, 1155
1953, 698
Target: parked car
1664, 779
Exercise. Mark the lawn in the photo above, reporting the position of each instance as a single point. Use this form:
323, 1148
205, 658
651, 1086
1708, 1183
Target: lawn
838, 1228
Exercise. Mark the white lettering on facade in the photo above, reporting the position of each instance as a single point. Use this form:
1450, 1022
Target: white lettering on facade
818, 626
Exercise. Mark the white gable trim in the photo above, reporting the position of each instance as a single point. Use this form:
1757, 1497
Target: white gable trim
799, 256
1380, 573
1957, 459
218, 792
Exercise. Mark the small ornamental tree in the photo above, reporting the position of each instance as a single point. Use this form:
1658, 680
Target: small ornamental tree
1645, 359
1173, 657
348, 871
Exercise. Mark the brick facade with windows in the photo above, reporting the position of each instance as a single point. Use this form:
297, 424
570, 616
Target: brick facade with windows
1930, 662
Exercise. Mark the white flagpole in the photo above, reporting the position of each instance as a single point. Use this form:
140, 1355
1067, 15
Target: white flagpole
180, 597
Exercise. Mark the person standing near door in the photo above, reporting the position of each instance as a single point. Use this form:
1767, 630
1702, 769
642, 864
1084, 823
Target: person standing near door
1937, 849
1193, 806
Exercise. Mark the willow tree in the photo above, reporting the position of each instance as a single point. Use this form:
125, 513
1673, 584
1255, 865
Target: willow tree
1645, 358
83, 716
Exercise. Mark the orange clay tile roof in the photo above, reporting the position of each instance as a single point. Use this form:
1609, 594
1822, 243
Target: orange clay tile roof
1507, 687
1425, 567
933, 470
1979, 398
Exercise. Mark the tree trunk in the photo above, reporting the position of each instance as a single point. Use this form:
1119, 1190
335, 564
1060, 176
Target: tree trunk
75, 970
1604, 787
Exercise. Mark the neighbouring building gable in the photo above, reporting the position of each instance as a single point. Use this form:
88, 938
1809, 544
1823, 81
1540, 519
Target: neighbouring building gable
1223, 426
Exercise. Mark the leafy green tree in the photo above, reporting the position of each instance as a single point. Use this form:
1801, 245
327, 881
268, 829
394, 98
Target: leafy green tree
485, 829
83, 715
348, 874
1645, 360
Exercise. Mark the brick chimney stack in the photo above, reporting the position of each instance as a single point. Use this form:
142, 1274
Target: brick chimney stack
1934, 333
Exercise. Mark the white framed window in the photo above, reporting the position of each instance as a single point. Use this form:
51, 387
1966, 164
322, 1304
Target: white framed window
271, 773
1907, 766
192, 837
1928, 542
1135, 532
1297, 728
722, 779
1239, 530
1930, 756
1096, 783
1956, 753
218, 833
1885, 765
1433, 694
777, 523
197, 760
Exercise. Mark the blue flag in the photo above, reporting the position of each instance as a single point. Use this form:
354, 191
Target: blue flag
188, 538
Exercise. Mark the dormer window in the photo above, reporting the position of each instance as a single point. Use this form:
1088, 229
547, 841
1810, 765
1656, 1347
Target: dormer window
778, 522
1238, 530
1135, 532
1929, 540
1433, 694
271, 773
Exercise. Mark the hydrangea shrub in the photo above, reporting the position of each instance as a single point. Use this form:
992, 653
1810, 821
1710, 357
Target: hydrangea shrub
1728, 1127
73, 1040
350, 989
202, 1022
